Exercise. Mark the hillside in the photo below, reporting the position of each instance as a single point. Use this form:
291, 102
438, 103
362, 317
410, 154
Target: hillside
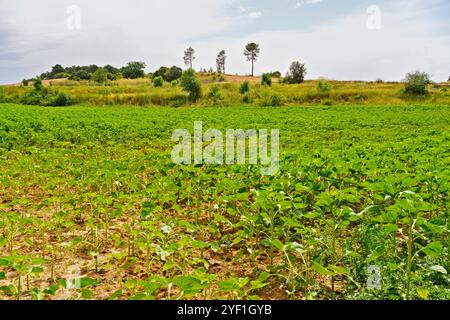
142, 93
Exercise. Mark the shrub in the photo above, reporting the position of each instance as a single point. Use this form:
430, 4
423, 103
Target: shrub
323, 87
245, 87
247, 99
100, 75
2, 94
174, 83
220, 77
191, 84
416, 83
214, 93
61, 99
158, 82
38, 84
25, 82
266, 79
35, 98
270, 98
297, 72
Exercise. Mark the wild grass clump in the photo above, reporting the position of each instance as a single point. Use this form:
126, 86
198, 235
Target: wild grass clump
270, 98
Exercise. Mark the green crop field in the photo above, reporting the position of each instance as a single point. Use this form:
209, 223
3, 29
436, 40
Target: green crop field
358, 210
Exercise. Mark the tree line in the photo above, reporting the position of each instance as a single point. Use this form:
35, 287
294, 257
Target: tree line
136, 69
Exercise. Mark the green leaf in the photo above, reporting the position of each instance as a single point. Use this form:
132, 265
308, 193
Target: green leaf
115, 295
189, 285
278, 244
423, 293
434, 249
2, 276
439, 269
338, 270
258, 284
87, 282
233, 284
51, 290
313, 215
322, 270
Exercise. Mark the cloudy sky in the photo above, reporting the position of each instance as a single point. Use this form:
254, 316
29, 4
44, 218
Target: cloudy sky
340, 39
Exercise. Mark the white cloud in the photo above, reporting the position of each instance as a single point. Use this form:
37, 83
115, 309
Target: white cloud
346, 49
33, 38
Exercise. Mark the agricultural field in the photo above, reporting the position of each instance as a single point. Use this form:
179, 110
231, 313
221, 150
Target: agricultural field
358, 210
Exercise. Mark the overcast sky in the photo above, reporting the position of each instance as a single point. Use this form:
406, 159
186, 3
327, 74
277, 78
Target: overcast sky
337, 39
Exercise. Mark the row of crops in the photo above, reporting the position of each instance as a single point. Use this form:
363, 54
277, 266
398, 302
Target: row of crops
91, 206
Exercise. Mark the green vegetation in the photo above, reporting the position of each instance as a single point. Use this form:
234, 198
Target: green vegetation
134, 70
245, 87
323, 87
266, 79
94, 187
190, 83
416, 83
297, 73
100, 75
168, 74
235, 91
158, 82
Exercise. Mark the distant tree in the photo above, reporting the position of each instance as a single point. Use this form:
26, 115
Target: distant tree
100, 75
168, 74
416, 82
134, 70
57, 69
161, 72
25, 82
190, 83
189, 57
91, 69
252, 51
174, 73
80, 75
111, 69
220, 61
276, 74
448, 79
297, 72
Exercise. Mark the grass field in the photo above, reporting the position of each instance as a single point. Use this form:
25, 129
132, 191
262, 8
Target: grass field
92, 192
140, 92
